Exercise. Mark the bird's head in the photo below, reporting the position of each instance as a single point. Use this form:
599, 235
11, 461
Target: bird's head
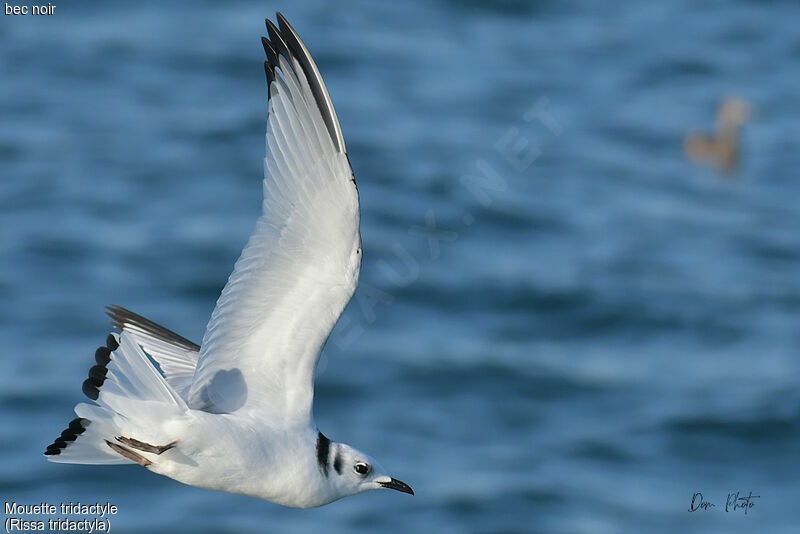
733, 113
351, 471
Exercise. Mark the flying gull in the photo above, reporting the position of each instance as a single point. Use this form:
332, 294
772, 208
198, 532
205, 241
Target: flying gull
723, 147
235, 413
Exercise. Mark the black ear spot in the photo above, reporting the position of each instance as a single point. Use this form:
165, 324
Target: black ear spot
337, 463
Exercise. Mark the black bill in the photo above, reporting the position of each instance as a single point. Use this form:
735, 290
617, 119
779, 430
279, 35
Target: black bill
397, 485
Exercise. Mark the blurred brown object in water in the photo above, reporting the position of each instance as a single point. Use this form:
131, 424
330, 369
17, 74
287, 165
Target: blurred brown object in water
722, 148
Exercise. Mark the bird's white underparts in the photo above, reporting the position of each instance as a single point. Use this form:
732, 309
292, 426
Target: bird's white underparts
235, 413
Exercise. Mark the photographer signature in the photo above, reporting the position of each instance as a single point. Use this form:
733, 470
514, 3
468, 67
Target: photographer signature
733, 502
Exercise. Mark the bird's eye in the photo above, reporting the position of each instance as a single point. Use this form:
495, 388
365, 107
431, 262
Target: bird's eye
362, 468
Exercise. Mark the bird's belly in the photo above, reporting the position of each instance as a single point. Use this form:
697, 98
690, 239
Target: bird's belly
222, 455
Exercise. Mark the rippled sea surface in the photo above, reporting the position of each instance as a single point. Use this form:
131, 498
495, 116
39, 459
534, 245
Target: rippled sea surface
562, 324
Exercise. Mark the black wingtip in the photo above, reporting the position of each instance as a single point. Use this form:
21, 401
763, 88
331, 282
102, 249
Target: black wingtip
277, 41
272, 56
91, 387
271, 29
271, 62
288, 38
102, 355
270, 75
282, 22
76, 427
98, 371
120, 317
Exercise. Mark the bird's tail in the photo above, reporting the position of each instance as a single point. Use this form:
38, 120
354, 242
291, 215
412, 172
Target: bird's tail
132, 403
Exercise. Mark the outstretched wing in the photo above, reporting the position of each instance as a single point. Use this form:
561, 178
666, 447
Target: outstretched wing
300, 267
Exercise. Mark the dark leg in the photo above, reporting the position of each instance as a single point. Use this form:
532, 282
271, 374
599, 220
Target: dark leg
146, 447
129, 454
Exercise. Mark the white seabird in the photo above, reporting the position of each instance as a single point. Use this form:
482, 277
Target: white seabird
235, 413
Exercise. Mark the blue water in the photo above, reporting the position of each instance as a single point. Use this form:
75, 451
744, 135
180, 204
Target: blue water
598, 330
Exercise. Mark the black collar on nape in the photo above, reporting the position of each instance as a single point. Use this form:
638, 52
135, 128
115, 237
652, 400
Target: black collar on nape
323, 448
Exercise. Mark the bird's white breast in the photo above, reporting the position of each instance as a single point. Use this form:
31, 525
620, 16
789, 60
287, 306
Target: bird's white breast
236, 454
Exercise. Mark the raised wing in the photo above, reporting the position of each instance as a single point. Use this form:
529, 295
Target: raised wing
300, 267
